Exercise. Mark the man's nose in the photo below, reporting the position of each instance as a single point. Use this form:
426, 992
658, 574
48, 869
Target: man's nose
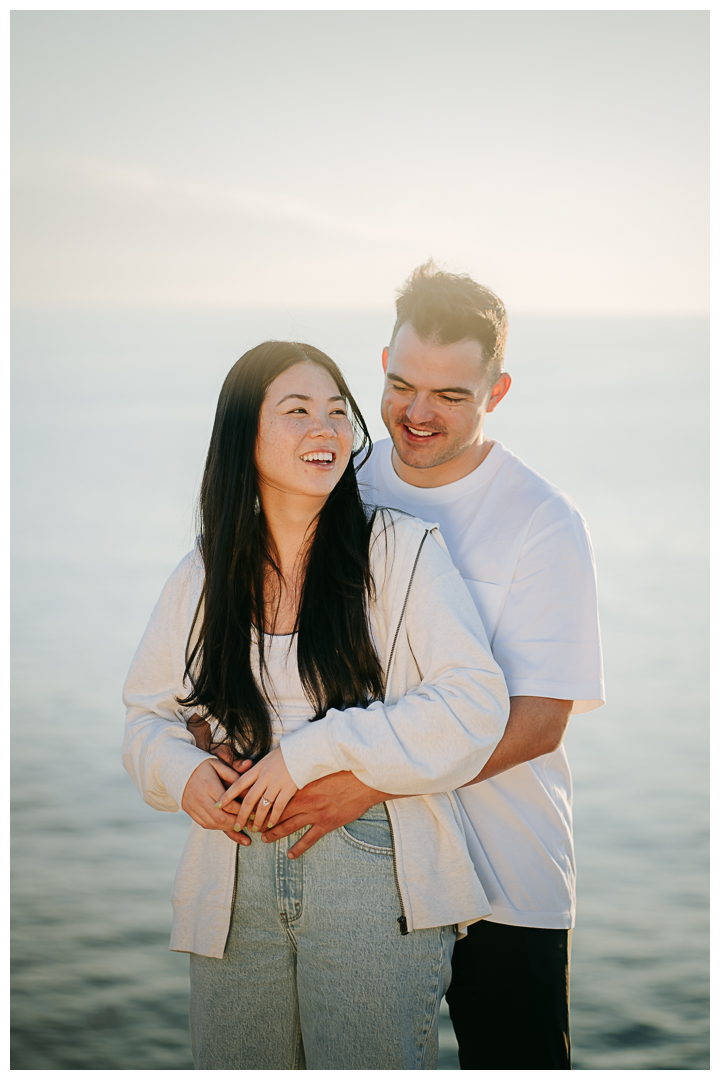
419, 410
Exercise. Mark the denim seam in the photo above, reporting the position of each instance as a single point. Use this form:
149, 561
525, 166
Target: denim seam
289, 931
299, 1055
282, 892
431, 1002
362, 845
298, 1044
298, 868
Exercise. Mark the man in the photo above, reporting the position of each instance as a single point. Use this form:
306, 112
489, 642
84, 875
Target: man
525, 555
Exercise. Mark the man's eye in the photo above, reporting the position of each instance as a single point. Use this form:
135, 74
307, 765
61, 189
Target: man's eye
400, 388
451, 400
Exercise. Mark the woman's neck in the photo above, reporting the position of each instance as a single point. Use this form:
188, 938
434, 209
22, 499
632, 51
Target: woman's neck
291, 521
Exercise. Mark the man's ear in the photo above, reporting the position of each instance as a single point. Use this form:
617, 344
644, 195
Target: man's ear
499, 391
385, 354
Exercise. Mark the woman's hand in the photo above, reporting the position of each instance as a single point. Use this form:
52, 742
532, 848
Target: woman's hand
268, 789
200, 798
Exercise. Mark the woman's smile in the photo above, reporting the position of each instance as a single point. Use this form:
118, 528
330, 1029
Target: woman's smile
323, 459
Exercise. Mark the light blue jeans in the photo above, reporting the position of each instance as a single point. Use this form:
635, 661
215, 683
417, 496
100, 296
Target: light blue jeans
316, 974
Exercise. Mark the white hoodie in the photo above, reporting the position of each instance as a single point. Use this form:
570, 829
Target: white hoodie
444, 711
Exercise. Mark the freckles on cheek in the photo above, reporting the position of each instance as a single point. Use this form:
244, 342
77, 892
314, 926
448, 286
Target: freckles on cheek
268, 449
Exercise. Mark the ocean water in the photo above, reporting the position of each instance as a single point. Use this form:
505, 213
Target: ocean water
112, 414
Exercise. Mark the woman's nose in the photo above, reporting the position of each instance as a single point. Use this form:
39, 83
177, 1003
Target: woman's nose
324, 428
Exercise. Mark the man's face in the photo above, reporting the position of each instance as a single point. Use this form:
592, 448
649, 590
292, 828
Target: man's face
435, 399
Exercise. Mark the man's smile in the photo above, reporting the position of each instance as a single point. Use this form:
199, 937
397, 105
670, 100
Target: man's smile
417, 435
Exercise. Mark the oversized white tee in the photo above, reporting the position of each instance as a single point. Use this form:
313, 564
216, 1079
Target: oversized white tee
524, 552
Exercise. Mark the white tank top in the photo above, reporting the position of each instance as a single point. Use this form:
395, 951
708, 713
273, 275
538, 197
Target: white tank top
289, 707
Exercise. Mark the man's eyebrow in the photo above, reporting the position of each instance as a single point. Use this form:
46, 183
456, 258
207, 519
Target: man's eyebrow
306, 397
445, 390
392, 375
455, 390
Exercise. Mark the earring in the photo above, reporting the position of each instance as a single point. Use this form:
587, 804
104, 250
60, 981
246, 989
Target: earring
256, 506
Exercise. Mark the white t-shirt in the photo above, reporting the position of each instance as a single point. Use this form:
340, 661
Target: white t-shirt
524, 552
289, 707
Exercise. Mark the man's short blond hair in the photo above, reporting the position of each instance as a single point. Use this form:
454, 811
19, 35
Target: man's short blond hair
444, 308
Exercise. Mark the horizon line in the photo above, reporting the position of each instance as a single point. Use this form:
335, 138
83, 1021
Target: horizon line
25, 307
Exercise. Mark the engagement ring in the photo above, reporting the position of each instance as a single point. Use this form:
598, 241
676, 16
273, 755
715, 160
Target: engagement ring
265, 802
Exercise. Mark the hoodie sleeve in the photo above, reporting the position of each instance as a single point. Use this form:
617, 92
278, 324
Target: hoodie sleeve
159, 752
439, 734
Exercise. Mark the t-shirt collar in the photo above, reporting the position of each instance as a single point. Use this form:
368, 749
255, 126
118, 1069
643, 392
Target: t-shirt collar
445, 492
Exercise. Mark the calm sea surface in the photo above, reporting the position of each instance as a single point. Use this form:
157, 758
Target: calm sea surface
112, 414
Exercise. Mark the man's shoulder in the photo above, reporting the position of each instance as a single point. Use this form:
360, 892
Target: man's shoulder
504, 481
517, 483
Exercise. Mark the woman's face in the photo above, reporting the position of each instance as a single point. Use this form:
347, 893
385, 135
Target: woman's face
304, 436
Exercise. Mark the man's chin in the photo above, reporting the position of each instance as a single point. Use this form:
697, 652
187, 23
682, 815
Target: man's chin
420, 457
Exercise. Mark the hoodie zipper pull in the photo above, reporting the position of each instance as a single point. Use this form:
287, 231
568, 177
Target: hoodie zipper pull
403, 925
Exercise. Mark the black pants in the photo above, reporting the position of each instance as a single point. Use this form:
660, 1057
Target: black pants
509, 997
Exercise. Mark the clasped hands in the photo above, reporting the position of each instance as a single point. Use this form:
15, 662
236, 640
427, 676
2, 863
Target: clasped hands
213, 790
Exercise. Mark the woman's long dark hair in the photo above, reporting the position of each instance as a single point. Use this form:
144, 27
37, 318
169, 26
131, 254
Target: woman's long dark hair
337, 661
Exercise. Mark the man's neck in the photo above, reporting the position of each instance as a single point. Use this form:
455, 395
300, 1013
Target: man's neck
446, 473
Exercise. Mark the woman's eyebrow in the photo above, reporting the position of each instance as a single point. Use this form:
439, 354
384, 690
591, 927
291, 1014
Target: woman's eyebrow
307, 397
303, 397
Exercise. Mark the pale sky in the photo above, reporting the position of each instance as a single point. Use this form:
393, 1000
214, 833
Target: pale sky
313, 158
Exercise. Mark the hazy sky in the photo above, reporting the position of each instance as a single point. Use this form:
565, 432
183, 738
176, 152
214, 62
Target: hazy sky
314, 158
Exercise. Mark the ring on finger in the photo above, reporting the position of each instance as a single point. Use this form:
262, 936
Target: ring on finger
264, 801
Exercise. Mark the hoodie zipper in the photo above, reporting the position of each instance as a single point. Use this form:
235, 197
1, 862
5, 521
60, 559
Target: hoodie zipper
403, 917
407, 596
232, 902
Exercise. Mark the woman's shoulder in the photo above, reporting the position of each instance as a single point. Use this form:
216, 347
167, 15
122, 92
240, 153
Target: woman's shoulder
397, 540
388, 520
185, 582
190, 566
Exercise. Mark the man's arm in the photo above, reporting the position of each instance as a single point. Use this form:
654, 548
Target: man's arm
535, 727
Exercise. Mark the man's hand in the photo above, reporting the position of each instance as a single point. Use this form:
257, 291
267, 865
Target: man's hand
326, 804
536, 726
203, 790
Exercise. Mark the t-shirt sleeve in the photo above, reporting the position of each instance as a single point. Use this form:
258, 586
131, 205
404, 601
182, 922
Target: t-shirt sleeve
547, 640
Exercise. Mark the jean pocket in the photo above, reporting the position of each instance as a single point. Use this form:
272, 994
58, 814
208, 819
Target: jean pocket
371, 831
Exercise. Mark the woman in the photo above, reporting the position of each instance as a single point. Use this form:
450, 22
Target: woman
315, 638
